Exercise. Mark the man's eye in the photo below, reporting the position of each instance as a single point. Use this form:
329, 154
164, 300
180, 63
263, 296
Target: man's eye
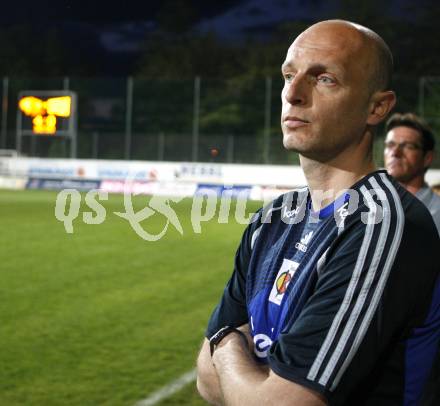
410, 146
288, 77
327, 80
390, 144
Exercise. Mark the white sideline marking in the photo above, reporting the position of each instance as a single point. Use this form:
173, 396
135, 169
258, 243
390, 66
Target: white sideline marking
169, 389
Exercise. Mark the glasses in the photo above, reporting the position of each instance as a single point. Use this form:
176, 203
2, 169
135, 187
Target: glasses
406, 146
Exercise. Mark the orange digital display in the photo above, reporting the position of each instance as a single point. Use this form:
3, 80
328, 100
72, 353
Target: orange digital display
45, 112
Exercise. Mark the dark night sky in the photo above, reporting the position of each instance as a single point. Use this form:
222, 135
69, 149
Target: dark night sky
107, 30
30, 11
226, 17
98, 11
109, 33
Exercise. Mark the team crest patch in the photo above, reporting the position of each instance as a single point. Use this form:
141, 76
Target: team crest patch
284, 276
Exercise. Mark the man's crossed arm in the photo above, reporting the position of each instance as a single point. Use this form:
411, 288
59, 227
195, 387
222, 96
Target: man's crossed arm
232, 377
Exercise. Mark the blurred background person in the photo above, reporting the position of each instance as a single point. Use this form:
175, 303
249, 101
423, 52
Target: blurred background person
409, 152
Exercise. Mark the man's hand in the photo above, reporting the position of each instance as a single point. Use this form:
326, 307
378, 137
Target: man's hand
241, 381
208, 384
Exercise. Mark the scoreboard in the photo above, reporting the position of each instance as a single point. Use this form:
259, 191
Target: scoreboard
47, 113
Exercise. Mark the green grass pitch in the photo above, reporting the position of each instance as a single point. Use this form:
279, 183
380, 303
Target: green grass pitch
100, 316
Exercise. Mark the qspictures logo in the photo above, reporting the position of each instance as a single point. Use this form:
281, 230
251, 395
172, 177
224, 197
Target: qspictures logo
204, 208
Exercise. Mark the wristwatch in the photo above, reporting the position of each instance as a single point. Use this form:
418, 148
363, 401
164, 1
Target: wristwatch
221, 334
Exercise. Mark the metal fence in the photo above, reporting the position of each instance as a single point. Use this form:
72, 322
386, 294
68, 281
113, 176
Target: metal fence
235, 120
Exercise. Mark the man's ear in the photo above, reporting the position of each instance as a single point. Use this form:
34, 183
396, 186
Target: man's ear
381, 104
427, 159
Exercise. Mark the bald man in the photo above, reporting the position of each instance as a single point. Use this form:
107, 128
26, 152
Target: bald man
327, 303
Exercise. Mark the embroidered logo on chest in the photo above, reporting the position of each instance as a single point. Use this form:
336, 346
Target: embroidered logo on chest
302, 246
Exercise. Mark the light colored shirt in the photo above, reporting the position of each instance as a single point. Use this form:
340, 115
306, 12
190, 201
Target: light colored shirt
432, 202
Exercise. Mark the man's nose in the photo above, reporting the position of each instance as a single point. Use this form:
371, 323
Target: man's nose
296, 90
396, 150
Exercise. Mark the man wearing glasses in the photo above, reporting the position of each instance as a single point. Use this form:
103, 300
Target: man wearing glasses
409, 151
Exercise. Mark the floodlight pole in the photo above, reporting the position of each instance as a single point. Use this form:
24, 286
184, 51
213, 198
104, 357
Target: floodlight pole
18, 133
73, 132
4, 132
74, 128
66, 83
160, 146
95, 145
267, 111
128, 117
195, 134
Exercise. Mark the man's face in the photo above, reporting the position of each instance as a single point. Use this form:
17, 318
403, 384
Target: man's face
326, 95
404, 157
